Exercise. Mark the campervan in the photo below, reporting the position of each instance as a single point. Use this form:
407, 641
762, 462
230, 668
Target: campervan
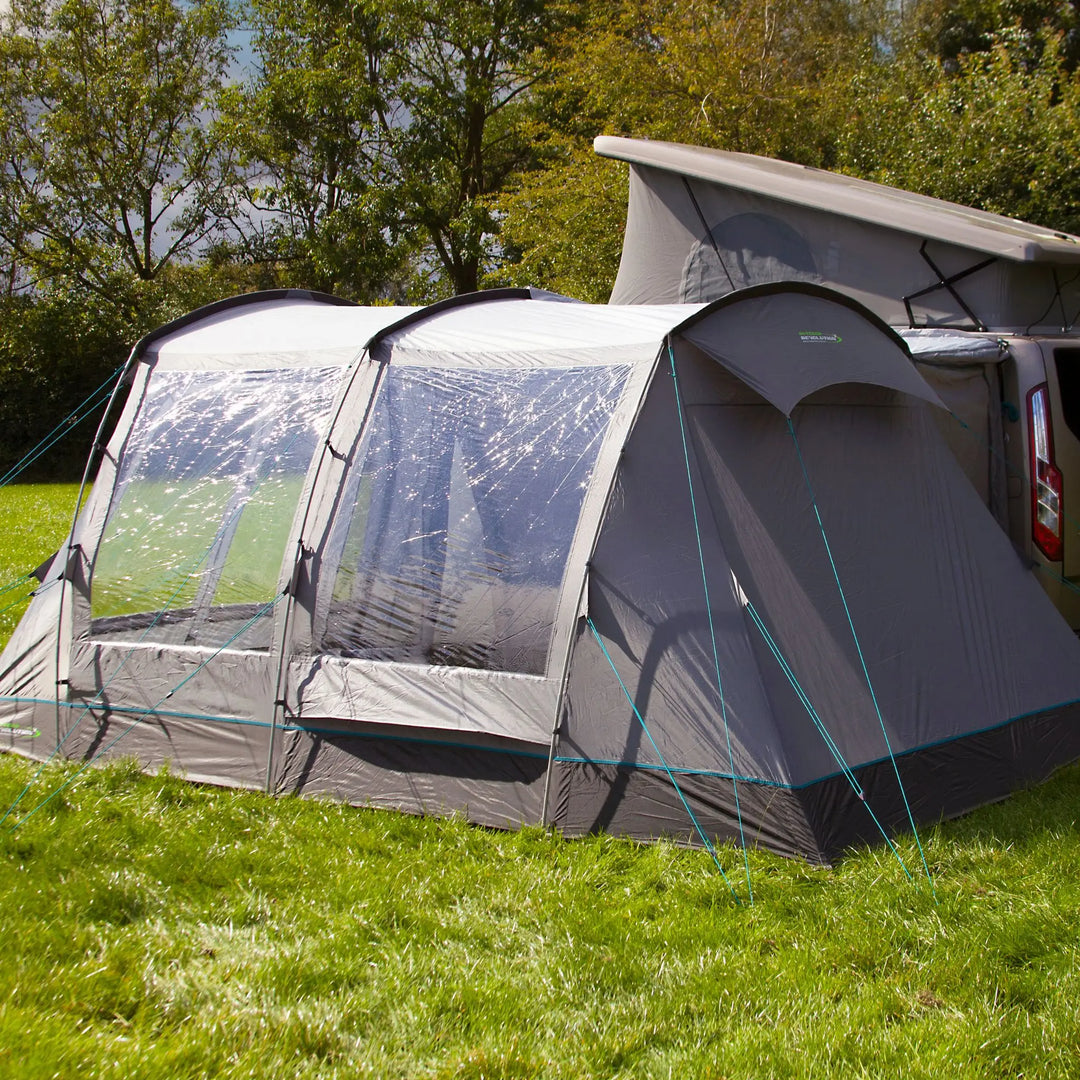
988, 306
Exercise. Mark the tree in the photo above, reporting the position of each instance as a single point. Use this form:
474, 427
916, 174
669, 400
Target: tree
454, 121
309, 127
768, 79
950, 30
111, 167
997, 129
374, 132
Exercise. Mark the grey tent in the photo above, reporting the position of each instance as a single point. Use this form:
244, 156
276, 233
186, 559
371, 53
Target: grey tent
987, 304
526, 560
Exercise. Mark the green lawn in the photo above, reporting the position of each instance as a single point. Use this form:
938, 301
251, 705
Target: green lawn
159, 929
155, 928
35, 519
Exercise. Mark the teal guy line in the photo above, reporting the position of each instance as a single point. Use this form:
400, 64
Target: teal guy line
671, 776
712, 625
858, 649
91, 402
838, 757
149, 712
563, 759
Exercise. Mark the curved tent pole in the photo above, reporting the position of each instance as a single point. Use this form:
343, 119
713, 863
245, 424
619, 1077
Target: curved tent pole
303, 552
181, 323
582, 606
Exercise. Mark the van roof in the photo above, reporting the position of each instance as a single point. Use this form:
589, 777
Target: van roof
849, 197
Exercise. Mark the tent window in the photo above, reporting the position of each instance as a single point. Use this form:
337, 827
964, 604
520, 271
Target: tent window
205, 498
460, 519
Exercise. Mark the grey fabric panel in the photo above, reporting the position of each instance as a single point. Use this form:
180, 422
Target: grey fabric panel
955, 632
647, 600
661, 228
28, 677
963, 369
425, 695
667, 241
689, 240
972, 427
503, 790
836, 193
786, 345
149, 677
820, 821
943, 781
207, 750
644, 803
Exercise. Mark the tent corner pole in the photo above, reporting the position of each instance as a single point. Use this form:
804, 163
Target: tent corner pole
70, 547
545, 806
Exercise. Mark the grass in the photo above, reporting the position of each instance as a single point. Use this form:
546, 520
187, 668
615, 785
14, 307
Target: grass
155, 928
35, 520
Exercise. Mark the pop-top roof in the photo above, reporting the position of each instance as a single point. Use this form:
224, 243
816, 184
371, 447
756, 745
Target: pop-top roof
862, 200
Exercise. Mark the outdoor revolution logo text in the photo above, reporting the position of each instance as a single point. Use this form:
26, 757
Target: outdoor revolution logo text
8, 728
817, 337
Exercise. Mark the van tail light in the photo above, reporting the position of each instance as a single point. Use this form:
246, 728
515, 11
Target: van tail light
1046, 485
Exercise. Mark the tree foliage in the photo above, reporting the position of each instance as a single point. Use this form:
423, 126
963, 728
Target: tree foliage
999, 129
455, 127
111, 162
309, 127
409, 149
768, 79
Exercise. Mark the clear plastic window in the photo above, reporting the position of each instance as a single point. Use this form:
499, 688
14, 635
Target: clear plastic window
206, 495
458, 524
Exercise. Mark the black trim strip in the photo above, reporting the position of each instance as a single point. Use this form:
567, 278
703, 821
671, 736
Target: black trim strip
464, 300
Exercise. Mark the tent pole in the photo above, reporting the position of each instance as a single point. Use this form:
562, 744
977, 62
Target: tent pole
283, 637
550, 764
302, 552
70, 547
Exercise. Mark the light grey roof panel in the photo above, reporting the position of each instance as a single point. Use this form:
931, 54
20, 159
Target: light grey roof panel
849, 197
953, 347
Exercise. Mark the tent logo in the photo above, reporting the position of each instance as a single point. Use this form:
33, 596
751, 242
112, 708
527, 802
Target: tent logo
9, 728
818, 337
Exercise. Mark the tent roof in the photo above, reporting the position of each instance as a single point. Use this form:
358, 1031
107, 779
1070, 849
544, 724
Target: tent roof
905, 211
502, 328
787, 340
281, 329
289, 329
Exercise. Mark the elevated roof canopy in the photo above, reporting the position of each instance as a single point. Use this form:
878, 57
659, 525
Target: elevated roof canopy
906, 211
703, 223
